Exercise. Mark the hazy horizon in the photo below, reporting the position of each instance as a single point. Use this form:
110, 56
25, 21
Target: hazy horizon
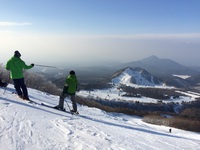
99, 32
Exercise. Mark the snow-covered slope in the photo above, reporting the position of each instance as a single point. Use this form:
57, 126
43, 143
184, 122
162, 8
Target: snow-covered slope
135, 77
25, 126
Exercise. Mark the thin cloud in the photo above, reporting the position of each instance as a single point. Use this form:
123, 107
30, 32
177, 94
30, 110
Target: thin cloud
157, 36
140, 36
15, 24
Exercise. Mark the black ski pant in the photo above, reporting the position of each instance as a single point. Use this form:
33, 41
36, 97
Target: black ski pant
72, 97
20, 87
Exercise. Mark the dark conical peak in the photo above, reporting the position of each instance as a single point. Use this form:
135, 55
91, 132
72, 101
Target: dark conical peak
151, 58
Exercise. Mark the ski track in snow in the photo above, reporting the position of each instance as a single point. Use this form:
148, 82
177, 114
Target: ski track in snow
26, 126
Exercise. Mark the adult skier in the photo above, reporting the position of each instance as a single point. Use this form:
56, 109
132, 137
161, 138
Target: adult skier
16, 67
69, 89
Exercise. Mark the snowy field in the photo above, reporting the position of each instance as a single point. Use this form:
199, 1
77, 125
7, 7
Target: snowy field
25, 126
115, 94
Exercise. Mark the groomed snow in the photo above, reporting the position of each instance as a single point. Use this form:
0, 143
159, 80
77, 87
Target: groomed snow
25, 126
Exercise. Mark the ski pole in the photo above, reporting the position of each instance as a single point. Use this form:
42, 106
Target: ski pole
68, 105
48, 66
4, 90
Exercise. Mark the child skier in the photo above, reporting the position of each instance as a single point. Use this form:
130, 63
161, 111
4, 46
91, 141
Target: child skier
69, 89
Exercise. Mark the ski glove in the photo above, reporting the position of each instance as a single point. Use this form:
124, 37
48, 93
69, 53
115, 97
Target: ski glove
32, 65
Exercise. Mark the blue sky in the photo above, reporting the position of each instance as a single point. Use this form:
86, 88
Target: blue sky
78, 31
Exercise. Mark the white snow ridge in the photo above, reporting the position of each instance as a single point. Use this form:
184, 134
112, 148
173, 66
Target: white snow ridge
135, 77
26, 126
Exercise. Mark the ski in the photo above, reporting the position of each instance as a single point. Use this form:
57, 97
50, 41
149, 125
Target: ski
74, 113
26, 100
43, 104
33, 102
46, 105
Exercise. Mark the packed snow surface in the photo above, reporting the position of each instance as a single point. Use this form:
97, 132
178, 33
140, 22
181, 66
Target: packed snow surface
26, 126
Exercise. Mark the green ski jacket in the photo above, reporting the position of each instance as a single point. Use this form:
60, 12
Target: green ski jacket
16, 67
71, 83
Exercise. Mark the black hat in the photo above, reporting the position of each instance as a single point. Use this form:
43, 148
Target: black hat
72, 72
17, 54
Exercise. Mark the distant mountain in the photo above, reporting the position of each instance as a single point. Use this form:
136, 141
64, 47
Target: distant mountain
161, 67
135, 75
167, 71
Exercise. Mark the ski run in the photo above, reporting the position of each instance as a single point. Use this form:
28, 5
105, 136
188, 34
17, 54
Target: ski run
26, 126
